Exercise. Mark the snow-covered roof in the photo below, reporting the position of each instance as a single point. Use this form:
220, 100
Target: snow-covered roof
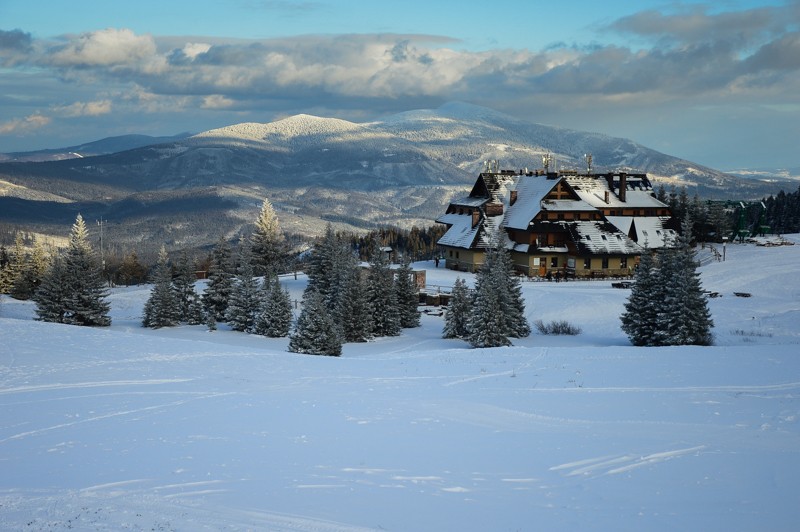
642, 198
649, 229
602, 238
460, 234
593, 191
530, 192
469, 201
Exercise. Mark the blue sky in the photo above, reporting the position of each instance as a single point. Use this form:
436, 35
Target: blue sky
716, 84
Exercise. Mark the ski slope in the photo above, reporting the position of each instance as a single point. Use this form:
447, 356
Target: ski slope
125, 428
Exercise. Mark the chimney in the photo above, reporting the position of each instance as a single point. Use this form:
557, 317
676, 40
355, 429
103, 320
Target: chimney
623, 185
476, 217
513, 198
606, 196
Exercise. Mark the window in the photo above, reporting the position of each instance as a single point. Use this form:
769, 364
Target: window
623, 262
605, 263
451, 253
554, 262
587, 263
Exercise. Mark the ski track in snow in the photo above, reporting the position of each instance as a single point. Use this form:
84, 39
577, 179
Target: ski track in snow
158, 407
614, 465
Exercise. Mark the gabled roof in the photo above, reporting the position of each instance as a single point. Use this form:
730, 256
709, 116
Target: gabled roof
602, 238
460, 234
592, 189
649, 229
530, 193
469, 201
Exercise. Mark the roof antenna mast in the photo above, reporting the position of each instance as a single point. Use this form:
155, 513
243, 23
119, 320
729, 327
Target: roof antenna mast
588, 158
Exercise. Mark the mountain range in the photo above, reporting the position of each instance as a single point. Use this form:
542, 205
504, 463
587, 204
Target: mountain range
189, 190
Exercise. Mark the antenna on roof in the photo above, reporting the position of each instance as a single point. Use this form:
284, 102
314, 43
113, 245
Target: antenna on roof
588, 158
546, 159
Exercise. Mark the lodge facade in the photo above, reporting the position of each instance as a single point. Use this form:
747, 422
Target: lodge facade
561, 224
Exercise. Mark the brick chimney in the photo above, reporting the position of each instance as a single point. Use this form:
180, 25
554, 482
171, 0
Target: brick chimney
623, 185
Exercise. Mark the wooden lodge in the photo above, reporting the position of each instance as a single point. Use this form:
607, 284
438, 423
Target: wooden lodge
561, 224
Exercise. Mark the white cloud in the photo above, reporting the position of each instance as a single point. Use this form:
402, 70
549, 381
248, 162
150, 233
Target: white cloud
217, 101
96, 108
106, 47
24, 125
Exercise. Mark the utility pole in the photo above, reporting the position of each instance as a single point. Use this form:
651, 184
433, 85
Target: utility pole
102, 256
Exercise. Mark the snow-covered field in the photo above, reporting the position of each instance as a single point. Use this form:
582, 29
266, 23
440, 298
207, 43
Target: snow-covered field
183, 429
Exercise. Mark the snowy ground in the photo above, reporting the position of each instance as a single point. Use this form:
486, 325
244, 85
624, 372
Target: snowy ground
183, 429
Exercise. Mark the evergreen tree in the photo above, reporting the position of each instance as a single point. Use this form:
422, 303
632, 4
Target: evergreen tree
382, 296
498, 310
190, 307
131, 271
268, 243
274, 318
84, 290
355, 312
639, 321
334, 273
457, 311
220, 281
684, 318
15, 266
30, 272
323, 266
315, 332
407, 296
51, 295
5, 270
244, 301
162, 308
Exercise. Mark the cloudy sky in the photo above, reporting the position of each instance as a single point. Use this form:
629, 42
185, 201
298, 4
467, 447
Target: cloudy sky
717, 83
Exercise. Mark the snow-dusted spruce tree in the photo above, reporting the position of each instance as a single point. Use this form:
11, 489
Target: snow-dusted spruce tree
684, 318
334, 272
354, 314
190, 307
5, 270
457, 311
498, 310
518, 326
487, 325
162, 308
639, 321
315, 332
13, 268
245, 301
185, 285
85, 302
382, 296
323, 267
51, 295
274, 318
31, 270
268, 243
220, 282
407, 295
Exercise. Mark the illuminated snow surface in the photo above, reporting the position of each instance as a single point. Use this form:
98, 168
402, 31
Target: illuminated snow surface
185, 429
